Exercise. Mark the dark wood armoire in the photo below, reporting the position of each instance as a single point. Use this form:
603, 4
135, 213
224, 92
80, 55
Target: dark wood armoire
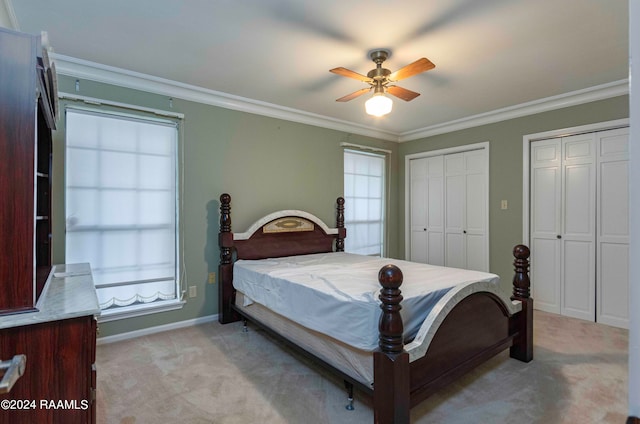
45, 340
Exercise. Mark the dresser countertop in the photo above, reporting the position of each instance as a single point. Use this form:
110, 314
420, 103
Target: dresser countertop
68, 293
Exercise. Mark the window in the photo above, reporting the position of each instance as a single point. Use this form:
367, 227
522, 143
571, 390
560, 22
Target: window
364, 202
121, 207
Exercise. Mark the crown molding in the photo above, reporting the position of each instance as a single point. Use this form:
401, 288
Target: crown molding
84, 69
573, 98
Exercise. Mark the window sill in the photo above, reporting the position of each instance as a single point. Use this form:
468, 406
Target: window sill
140, 310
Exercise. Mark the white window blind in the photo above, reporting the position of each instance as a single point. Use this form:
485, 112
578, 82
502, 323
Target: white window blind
364, 175
121, 205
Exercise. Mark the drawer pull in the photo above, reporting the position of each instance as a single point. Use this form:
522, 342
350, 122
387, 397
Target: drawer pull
14, 370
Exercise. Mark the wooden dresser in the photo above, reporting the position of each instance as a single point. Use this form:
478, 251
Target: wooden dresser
59, 346
47, 314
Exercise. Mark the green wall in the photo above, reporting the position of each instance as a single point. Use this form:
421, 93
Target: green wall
268, 164
5, 22
505, 169
265, 164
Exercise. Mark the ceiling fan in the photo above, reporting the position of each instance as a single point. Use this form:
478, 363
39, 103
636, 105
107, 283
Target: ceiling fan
381, 81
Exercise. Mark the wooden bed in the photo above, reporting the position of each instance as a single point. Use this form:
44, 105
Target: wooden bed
469, 331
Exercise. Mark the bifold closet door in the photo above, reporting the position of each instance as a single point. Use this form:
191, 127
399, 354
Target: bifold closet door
579, 227
546, 223
455, 206
427, 209
448, 207
613, 228
465, 208
563, 225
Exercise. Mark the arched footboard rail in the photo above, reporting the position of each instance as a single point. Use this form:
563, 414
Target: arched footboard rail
469, 325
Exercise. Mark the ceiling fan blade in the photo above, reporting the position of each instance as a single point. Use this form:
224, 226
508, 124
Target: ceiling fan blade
353, 95
402, 93
351, 74
420, 65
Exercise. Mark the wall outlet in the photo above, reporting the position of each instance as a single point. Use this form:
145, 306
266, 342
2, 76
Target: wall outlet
193, 291
504, 205
212, 278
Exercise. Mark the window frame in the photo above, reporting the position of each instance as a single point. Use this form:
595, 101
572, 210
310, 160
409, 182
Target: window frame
129, 112
384, 156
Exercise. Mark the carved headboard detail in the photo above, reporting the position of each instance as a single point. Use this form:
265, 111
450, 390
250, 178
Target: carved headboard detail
288, 224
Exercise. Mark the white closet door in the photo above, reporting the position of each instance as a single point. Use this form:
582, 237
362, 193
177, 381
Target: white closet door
545, 215
427, 210
435, 210
613, 228
475, 210
579, 194
455, 196
448, 197
465, 210
418, 206
579, 225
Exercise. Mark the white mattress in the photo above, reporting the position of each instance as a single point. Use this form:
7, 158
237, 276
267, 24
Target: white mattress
356, 363
337, 293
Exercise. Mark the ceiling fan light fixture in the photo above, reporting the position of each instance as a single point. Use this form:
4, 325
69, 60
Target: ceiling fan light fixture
378, 105
383, 81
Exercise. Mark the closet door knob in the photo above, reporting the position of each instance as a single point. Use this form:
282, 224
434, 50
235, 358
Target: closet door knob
558, 236
464, 231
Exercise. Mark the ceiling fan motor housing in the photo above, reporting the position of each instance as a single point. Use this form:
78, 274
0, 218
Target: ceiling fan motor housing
379, 56
379, 73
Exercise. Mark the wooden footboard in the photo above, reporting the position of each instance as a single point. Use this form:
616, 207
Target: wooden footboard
477, 328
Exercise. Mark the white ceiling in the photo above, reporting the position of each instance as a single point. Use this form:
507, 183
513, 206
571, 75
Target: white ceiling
489, 54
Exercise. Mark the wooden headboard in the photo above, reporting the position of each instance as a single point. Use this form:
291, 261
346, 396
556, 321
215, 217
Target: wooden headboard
282, 233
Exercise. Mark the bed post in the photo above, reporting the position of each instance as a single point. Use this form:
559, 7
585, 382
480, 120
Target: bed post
522, 348
342, 232
225, 269
391, 401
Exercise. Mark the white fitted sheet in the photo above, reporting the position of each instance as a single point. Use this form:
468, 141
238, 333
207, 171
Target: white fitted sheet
336, 294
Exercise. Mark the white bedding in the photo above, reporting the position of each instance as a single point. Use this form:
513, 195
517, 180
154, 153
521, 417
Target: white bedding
337, 293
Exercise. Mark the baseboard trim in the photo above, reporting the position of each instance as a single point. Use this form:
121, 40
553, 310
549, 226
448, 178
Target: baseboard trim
157, 329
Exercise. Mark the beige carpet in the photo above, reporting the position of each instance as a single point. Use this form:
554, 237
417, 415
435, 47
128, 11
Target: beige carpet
218, 374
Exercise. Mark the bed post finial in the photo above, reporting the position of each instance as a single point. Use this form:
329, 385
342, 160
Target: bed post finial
391, 390
391, 326
522, 348
225, 213
521, 283
342, 232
